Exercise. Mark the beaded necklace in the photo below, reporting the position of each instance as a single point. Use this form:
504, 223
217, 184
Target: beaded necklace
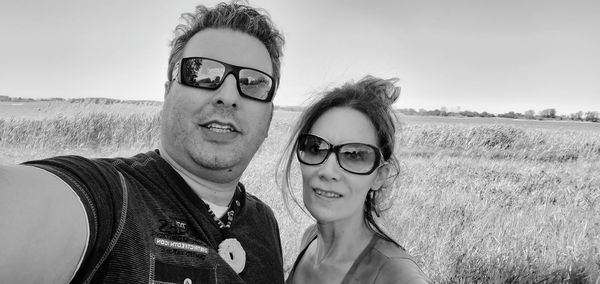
224, 226
230, 249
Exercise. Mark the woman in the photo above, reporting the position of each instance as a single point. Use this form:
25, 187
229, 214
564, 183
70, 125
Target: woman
345, 145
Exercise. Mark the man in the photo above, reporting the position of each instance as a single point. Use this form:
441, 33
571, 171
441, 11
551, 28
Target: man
173, 215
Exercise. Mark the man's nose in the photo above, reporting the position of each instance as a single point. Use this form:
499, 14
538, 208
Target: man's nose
227, 94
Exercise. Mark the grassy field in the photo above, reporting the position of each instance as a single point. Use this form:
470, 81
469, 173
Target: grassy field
478, 201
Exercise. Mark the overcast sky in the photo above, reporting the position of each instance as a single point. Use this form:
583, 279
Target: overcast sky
480, 55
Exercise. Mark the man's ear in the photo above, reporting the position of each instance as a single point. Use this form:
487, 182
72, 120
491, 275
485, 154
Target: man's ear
167, 87
382, 175
270, 119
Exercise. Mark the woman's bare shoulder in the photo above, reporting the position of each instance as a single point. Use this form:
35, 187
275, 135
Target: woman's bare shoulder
401, 270
398, 266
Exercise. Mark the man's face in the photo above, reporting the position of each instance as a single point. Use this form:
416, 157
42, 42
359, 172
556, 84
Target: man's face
214, 133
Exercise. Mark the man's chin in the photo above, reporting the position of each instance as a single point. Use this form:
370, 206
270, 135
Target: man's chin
219, 163
220, 174
223, 163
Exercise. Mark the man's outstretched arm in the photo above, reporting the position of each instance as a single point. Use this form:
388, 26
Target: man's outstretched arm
43, 227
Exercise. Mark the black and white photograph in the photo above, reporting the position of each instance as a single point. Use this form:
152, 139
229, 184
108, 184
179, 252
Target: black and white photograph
279, 141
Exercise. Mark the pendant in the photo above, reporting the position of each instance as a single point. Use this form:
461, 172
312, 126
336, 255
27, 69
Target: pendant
233, 253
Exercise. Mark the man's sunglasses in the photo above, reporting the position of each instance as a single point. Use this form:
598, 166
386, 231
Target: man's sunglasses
206, 73
356, 158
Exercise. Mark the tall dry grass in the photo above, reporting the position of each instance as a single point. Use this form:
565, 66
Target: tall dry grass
501, 142
475, 203
78, 128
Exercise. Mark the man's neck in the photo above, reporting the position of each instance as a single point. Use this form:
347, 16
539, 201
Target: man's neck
217, 193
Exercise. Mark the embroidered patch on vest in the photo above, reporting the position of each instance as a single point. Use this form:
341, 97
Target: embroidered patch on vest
180, 245
165, 273
173, 226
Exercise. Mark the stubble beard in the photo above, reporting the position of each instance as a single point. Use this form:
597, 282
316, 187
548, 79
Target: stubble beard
223, 165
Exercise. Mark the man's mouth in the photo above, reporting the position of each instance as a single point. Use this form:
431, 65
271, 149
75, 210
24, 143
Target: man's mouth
219, 127
327, 194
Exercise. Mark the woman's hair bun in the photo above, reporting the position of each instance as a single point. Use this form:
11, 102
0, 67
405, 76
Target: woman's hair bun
384, 89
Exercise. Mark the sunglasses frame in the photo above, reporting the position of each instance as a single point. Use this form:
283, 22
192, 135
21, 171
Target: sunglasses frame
335, 149
229, 69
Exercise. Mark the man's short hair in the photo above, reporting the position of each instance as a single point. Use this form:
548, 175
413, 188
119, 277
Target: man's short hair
234, 16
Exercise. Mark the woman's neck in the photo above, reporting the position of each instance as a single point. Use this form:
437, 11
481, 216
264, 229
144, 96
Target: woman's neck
341, 241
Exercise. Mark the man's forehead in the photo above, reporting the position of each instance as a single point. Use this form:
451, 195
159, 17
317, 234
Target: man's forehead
233, 47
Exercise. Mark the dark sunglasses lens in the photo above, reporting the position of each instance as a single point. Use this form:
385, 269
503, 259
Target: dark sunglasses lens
255, 84
312, 150
357, 158
203, 73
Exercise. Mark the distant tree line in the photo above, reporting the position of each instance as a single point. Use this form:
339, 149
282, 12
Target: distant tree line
289, 108
18, 99
546, 114
99, 101
107, 101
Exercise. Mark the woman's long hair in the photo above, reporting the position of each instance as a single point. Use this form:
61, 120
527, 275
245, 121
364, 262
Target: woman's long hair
373, 97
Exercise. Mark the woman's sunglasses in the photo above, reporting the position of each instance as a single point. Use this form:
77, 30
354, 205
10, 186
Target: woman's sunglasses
206, 73
356, 158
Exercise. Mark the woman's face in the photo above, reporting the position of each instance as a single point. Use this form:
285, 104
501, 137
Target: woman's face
330, 193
